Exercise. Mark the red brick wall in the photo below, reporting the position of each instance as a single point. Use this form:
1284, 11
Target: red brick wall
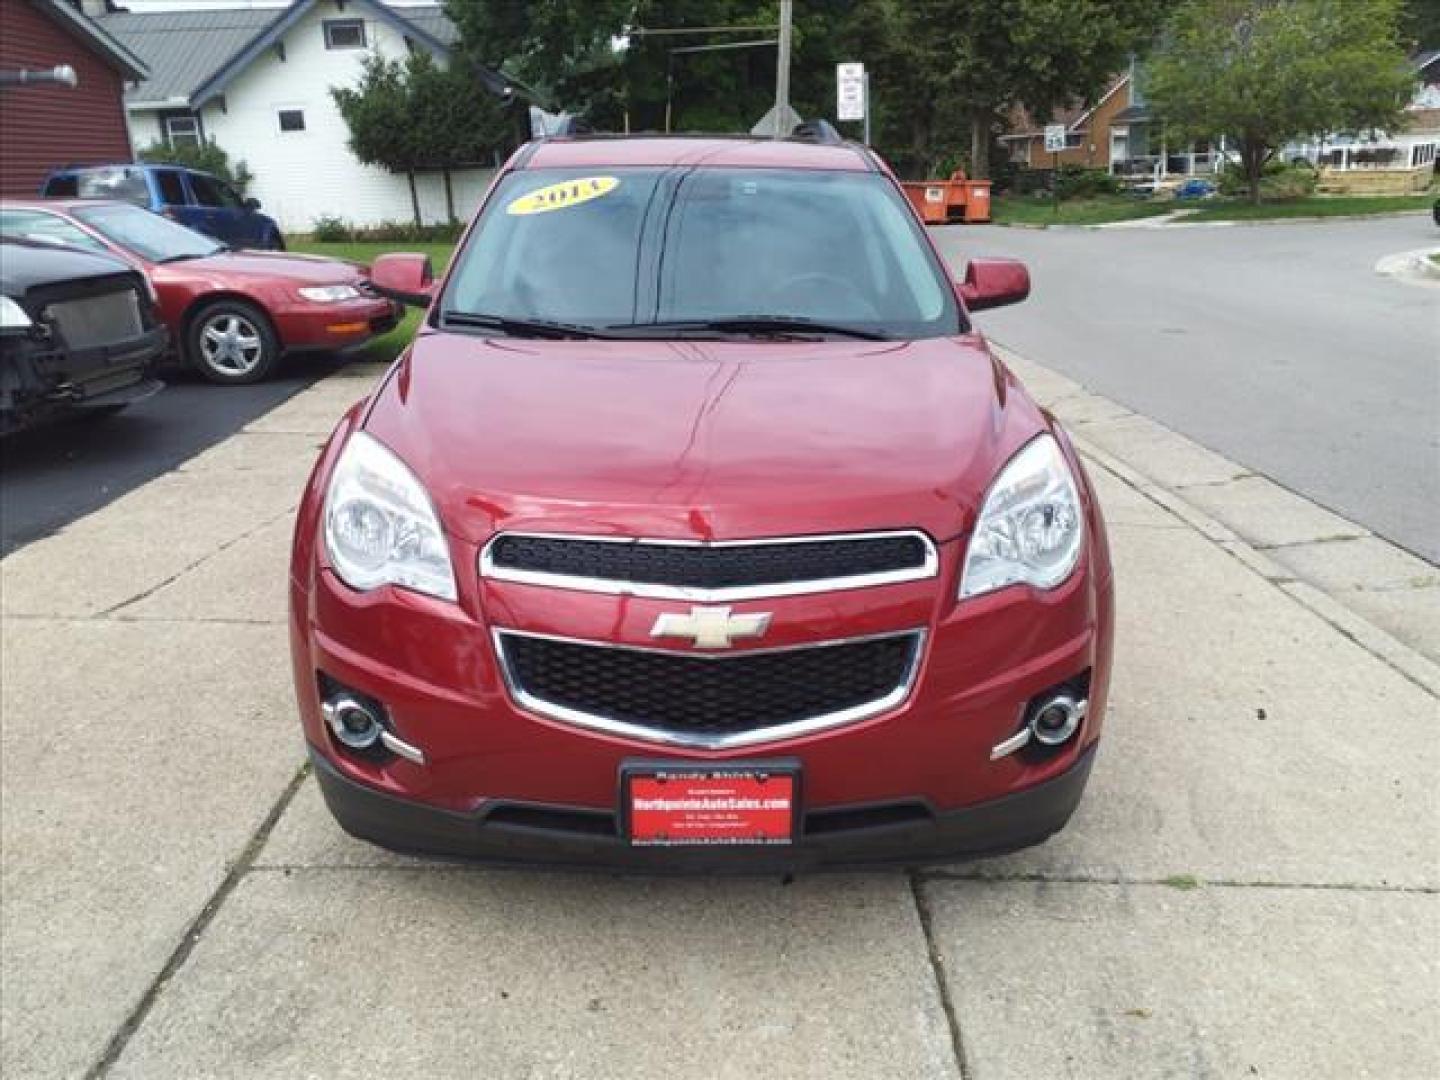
42, 127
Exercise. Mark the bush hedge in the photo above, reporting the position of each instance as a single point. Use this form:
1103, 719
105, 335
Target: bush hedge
333, 229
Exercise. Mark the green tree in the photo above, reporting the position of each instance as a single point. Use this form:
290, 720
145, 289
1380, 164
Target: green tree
1420, 24
1263, 73
205, 157
563, 49
969, 62
415, 116
942, 71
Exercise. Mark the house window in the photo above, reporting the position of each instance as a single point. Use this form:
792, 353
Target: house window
292, 119
182, 130
344, 33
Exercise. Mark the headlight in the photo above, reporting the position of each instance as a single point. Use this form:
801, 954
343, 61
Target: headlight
323, 294
12, 315
1031, 528
380, 527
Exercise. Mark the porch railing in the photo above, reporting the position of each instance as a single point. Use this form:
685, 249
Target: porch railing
1157, 167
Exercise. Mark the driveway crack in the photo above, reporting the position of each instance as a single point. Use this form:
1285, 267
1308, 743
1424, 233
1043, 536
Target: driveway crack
196, 930
153, 589
937, 970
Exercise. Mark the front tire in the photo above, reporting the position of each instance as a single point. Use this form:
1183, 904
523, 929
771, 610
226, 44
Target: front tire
232, 343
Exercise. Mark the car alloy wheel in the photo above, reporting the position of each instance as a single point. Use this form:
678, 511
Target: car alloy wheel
232, 342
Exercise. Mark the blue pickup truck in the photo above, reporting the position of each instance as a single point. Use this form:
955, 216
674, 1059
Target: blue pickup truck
195, 199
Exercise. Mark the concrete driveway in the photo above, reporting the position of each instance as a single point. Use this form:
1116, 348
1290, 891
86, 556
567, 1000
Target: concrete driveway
1277, 345
1249, 889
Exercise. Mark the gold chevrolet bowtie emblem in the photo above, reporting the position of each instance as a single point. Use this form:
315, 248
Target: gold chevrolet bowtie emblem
711, 627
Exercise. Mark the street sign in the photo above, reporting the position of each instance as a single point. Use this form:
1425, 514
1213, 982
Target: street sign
850, 91
1054, 137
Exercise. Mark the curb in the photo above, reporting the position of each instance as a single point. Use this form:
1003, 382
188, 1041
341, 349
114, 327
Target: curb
1380, 643
1403, 658
1300, 220
1166, 221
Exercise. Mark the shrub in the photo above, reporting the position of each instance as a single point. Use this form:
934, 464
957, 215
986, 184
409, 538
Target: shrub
1077, 182
206, 157
1277, 180
1293, 183
406, 232
329, 228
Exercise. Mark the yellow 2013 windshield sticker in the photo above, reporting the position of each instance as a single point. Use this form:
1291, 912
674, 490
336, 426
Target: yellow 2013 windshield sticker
564, 195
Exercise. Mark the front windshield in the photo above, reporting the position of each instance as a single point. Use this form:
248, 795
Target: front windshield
622, 249
148, 235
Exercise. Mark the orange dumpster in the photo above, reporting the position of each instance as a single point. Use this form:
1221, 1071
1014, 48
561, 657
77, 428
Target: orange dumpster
955, 199
929, 200
977, 201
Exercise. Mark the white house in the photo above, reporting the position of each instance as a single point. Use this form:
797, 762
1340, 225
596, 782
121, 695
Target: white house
256, 81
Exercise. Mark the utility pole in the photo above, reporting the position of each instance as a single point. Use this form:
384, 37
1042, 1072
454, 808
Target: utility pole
782, 68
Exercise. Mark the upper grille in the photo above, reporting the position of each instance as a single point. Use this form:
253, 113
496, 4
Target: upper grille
97, 320
716, 571
711, 701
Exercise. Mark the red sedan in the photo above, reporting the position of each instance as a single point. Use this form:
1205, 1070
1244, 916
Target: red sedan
232, 315
699, 526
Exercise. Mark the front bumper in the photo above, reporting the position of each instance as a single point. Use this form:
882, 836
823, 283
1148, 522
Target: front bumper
339, 327
527, 833
41, 379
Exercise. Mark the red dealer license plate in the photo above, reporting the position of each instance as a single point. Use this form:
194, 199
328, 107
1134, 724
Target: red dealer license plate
685, 806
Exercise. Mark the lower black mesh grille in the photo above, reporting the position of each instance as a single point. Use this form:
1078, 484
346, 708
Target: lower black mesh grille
724, 566
695, 696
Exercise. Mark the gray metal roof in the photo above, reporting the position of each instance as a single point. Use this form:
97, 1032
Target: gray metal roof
182, 48
432, 20
185, 50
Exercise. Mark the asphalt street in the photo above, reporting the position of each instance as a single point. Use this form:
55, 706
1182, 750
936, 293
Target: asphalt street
1276, 345
51, 476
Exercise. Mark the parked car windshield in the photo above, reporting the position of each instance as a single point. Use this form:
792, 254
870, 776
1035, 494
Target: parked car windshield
148, 235
114, 182
633, 250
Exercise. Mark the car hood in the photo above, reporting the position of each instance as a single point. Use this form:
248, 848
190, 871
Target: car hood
270, 266
702, 440
25, 266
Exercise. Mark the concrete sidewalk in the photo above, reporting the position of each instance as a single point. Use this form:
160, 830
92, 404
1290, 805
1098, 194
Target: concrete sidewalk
1249, 889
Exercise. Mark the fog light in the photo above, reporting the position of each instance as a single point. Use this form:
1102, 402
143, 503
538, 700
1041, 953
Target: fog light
1056, 720
361, 723
352, 721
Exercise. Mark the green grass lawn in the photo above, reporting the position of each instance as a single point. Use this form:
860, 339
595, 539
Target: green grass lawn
382, 349
1040, 210
1316, 206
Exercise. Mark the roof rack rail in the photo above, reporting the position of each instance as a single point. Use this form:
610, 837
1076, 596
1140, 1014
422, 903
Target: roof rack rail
816, 131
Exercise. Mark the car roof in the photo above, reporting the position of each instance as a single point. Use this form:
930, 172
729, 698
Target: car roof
709, 151
138, 166
62, 205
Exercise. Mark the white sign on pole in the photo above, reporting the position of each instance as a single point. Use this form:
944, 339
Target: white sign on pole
1054, 137
850, 91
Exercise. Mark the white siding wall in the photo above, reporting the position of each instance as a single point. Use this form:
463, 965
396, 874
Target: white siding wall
300, 176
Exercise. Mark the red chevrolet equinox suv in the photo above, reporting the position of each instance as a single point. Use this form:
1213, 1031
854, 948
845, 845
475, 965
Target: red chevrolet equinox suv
699, 527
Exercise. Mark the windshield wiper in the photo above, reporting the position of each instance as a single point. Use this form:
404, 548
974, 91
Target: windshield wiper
541, 328
745, 324
185, 256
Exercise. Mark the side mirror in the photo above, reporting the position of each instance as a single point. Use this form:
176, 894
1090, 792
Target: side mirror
994, 283
404, 276
252, 203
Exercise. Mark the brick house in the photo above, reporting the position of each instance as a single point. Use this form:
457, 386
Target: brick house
44, 125
1088, 131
